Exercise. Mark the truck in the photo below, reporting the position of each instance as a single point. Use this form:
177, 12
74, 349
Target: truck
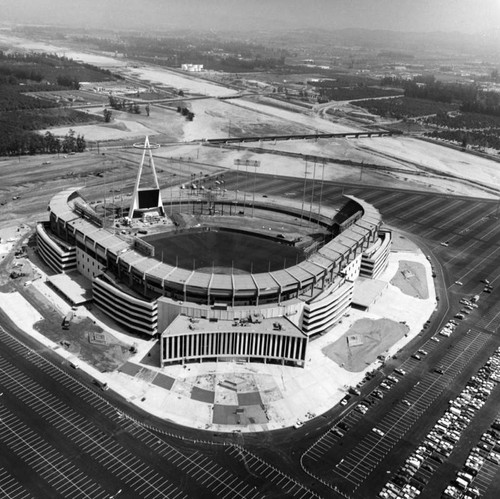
474, 299
67, 319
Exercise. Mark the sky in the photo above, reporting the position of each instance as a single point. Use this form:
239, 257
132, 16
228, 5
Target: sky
467, 16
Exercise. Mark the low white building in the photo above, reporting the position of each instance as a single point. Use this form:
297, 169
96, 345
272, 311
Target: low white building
192, 67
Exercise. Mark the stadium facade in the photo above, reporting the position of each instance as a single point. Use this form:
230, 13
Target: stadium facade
197, 315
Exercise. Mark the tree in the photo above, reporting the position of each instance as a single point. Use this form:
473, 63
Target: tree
107, 115
69, 141
80, 143
51, 142
68, 81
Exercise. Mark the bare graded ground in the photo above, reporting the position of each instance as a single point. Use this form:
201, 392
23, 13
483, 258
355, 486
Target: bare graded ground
79, 338
375, 336
401, 242
111, 173
411, 279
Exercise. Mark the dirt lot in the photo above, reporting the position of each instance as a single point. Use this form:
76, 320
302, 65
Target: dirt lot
411, 279
373, 338
84, 338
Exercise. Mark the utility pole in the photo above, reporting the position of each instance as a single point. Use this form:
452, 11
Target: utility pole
312, 191
171, 193
303, 193
256, 163
247, 163
321, 191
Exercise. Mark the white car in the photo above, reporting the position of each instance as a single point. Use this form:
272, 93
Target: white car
378, 432
459, 283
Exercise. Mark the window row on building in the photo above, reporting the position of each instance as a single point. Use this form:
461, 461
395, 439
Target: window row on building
133, 313
322, 313
229, 344
59, 256
374, 260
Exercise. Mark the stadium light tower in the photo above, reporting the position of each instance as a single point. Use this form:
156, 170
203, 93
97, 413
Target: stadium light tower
247, 163
312, 191
321, 191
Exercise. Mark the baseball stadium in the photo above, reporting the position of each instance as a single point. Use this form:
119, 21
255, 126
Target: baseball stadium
216, 278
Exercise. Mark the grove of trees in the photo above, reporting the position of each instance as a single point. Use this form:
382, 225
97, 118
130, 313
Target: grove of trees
21, 114
28, 142
470, 96
185, 111
124, 105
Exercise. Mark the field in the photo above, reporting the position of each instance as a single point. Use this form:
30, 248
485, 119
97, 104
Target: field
353, 93
223, 252
70, 97
406, 107
36, 120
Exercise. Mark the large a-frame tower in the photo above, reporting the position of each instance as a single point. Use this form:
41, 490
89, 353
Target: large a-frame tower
147, 199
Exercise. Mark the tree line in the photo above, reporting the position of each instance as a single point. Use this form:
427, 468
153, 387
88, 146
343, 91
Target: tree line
471, 97
124, 105
16, 142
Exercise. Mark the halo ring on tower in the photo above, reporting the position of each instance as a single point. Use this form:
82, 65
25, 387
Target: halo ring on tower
145, 147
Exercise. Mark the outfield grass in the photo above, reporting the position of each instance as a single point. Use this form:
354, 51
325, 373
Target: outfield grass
223, 251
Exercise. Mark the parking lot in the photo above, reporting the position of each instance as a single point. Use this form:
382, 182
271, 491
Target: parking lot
69, 429
60, 473
10, 488
457, 424
288, 486
355, 464
471, 231
84, 435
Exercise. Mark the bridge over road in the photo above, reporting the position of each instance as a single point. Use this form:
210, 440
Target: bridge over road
303, 136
